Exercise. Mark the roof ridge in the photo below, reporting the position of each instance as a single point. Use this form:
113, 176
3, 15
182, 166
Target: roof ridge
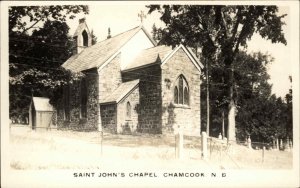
156, 47
117, 35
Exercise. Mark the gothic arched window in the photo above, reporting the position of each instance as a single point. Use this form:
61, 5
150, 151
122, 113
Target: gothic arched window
128, 110
181, 91
85, 38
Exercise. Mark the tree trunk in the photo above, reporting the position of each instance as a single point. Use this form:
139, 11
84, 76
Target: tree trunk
232, 109
223, 124
231, 122
207, 99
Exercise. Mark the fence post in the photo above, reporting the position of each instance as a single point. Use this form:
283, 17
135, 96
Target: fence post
179, 144
280, 144
263, 153
249, 142
101, 142
277, 144
220, 136
287, 145
204, 145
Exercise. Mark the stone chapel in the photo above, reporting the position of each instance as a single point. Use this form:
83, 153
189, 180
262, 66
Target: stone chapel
131, 85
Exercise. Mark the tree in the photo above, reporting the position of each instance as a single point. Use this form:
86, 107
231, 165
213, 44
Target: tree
289, 101
40, 14
220, 31
261, 114
35, 59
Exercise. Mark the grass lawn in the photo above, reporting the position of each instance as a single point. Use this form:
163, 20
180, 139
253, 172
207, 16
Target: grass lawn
82, 150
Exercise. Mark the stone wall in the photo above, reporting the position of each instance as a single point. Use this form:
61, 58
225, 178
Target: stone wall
149, 119
109, 77
74, 98
92, 100
177, 116
75, 121
129, 124
109, 117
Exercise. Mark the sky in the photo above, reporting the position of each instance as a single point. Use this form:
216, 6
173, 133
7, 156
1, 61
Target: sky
120, 18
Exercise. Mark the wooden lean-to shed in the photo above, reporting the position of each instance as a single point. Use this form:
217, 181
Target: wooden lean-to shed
41, 113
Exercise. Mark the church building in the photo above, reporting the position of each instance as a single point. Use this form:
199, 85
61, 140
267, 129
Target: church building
131, 85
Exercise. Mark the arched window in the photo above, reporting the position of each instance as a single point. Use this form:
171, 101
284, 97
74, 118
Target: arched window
181, 91
128, 110
85, 38
175, 95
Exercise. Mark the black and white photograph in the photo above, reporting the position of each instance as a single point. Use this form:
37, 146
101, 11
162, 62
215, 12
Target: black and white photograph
150, 94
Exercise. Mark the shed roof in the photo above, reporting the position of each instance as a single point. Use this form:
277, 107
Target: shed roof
42, 104
123, 90
149, 56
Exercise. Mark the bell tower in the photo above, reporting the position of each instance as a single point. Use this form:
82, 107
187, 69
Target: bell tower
82, 36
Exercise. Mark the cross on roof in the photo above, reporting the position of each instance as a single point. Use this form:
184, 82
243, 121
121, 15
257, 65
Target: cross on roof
141, 16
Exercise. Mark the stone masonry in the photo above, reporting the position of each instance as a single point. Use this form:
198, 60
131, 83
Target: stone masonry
129, 124
177, 116
149, 118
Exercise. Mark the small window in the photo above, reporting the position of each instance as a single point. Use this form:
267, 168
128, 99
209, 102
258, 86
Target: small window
128, 110
176, 95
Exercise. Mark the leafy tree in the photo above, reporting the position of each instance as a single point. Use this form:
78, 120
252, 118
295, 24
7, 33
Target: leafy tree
289, 121
18, 24
35, 59
261, 114
220, 31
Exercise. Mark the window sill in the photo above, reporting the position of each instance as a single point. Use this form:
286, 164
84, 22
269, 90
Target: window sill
181, 106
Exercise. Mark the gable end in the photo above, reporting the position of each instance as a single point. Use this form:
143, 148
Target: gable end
190, 55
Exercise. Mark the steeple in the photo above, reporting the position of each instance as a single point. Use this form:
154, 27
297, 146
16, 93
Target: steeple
82, 36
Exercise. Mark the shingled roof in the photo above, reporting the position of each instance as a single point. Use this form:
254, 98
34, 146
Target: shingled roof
149, 56
42, 104
94, 56
118, 94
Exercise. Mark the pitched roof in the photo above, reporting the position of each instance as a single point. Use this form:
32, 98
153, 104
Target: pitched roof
42, 104
118, 94
149, 56
96, 55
